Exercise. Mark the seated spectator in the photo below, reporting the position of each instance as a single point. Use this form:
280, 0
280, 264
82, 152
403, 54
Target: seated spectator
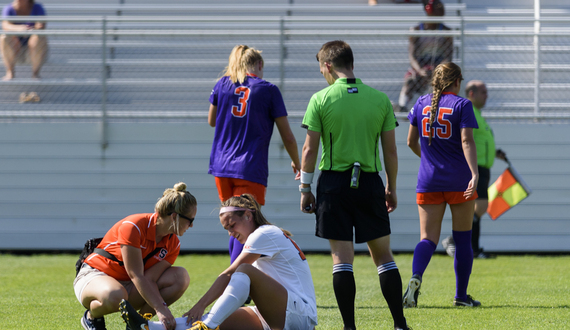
425, 53
20, 49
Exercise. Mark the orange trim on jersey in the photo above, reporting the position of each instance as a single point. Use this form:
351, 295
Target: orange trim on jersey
138, 230
445, 93
229, 187
251, 75
439, 197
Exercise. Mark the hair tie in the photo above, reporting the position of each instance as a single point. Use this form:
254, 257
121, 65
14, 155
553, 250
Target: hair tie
234, 209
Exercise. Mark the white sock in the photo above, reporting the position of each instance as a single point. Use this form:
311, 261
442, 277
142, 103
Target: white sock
386, 267
180, 324
342, 268
234, 297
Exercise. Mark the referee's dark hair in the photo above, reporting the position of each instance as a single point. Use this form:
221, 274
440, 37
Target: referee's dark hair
338, 53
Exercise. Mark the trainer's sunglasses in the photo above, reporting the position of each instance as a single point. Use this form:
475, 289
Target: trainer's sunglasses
184, 217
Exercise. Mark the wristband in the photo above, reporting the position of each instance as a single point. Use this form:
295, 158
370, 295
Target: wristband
304, 189
307, 178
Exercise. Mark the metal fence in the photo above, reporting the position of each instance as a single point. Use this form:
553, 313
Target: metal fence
139, 68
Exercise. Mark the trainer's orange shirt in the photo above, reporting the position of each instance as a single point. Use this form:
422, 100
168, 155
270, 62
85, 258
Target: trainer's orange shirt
138, 230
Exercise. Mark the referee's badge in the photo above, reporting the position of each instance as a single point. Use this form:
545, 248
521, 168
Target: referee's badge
352, 90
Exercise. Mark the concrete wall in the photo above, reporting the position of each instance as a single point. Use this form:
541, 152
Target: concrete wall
58, 187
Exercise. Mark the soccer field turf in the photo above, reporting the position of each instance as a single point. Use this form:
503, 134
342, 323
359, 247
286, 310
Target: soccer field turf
516, 292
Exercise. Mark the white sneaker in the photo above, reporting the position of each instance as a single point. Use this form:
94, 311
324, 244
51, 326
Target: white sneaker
449, 245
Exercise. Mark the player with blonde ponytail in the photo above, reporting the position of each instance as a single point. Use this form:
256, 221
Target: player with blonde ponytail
441, 134
244, 108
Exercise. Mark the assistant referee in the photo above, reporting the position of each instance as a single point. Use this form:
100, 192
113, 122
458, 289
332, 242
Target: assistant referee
352, 119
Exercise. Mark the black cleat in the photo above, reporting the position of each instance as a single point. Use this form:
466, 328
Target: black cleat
469, 302
132, 318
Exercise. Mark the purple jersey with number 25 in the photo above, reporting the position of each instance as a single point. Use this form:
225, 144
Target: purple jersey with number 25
443, 166
244, 125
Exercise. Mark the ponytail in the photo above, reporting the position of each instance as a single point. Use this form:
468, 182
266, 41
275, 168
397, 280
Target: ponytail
241, 60
444, 76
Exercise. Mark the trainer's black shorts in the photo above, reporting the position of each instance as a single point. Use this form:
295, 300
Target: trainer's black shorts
341, 208
483, 185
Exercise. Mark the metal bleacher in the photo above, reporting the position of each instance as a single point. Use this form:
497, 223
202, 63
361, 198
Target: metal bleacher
162, 64
114, 128
167, 62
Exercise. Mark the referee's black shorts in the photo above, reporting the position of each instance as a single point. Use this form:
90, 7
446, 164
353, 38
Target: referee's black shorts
340, 208
483, 185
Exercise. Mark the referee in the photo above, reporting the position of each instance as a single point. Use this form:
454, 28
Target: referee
352, 119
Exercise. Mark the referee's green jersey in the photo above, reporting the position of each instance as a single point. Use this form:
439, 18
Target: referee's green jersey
350, 117
484, 141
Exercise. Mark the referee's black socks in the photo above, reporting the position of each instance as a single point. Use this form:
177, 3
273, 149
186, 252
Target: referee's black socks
391, 285
345, 293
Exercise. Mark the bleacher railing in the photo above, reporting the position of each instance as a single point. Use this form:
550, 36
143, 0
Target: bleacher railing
104, 68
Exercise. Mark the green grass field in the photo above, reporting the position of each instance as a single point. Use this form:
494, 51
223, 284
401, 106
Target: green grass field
516, 292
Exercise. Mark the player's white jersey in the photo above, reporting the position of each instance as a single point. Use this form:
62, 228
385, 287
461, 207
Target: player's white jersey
282, 259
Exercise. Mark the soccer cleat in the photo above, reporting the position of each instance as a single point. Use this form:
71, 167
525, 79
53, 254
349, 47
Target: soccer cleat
483, 255
199, 325
132, 318
469, 302
93, 324
146, 316
412, 292
449, 245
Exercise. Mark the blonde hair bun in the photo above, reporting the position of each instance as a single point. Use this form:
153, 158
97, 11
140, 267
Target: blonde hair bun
176, 199
180, 186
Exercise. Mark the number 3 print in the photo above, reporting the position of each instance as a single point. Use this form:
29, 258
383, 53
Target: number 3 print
443, 132
241, 109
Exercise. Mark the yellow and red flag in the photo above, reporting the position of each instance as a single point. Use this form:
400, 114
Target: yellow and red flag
507, 191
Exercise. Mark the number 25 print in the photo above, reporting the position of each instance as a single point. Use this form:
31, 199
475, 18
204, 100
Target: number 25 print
443, 132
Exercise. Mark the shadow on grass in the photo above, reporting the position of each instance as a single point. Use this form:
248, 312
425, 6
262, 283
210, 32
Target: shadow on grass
457, 307
357, 307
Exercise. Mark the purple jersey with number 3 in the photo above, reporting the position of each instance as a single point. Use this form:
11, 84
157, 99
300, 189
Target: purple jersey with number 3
244, 125
443, 166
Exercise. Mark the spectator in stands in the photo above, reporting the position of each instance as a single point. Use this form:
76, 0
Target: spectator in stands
243, 109
134, 262
425, 53
441, 134
476, 92
17, 49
